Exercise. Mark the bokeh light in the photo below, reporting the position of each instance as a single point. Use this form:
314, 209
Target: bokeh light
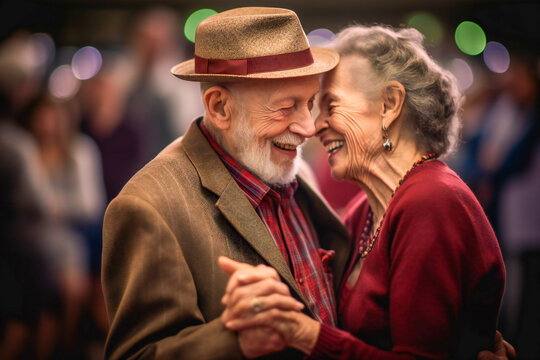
320, 37
86, 62
194, 20
44, 48
496, 57
463, 73
428, 25
62, 83
470, 38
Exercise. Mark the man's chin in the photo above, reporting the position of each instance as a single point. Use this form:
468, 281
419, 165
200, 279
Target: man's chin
281, 174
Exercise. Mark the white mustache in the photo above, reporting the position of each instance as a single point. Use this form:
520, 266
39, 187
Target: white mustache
289, 138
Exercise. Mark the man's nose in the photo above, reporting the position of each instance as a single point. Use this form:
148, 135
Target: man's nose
303, 124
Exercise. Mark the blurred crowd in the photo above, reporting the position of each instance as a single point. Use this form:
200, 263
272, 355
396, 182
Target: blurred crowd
500, 160
63, 159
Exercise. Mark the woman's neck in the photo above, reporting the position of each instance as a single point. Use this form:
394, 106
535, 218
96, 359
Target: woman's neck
383, 176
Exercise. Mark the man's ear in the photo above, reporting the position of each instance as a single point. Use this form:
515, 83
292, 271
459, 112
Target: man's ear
393, 99
218, 104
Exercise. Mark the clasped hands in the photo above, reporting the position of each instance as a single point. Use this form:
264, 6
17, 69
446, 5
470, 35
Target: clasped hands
261, 309
268, 319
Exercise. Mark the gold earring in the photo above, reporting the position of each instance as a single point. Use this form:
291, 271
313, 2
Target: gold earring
387, 144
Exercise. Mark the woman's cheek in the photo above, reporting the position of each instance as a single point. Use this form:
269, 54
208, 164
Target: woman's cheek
362, 151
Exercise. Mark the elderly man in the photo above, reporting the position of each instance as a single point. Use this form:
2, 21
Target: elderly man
228, 187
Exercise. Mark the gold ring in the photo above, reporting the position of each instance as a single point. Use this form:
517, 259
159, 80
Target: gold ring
256, 305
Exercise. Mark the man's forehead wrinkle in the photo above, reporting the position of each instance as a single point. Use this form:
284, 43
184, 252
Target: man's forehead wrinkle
295, 91
253, 95
271, 95
267, 99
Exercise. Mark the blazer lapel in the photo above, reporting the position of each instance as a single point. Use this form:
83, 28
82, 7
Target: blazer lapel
238, 210
234, 205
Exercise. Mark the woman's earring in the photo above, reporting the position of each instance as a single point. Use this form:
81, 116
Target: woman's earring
387, 144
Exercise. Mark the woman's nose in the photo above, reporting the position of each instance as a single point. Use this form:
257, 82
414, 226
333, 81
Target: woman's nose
320, 124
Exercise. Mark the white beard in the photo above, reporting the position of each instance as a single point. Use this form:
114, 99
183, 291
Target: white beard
257, 159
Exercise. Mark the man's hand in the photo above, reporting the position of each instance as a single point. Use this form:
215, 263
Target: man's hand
246, 284
503, 350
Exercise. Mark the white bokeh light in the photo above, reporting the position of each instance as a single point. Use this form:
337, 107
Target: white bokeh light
320, 37
463, 73
86, 62
62, 83
496, 57
44, 48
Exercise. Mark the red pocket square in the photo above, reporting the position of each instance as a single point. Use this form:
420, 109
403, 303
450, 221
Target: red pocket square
326, 257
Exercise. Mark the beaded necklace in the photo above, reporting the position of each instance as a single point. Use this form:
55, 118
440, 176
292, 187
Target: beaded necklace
364, 250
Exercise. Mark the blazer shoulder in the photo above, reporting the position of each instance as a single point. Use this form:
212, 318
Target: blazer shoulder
170, 172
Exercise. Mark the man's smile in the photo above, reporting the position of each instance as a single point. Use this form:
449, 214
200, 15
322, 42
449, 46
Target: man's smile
282, 146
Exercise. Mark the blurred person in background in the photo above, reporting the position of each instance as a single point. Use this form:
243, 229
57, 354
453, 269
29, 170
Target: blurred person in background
133, 108
146, 109
27, 323
21, 77
156, 45
506, 132
74, 201
102, 101
500, 162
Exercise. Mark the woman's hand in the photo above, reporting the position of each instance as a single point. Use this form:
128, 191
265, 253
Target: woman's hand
297, 329
256, 298
503, 350
259, 341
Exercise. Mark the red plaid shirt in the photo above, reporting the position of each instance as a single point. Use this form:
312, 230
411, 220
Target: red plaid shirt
285, 221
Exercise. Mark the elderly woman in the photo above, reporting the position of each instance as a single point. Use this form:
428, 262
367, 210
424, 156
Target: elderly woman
426, 276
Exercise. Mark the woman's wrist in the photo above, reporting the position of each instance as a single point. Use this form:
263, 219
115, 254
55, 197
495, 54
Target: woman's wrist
306, 333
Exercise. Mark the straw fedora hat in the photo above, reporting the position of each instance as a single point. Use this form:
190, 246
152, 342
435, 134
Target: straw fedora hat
253, 43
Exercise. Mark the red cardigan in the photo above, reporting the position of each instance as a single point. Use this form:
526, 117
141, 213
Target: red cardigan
431, 286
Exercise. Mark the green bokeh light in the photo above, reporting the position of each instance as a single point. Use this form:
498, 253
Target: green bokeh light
428, 25
470, 38
194, 20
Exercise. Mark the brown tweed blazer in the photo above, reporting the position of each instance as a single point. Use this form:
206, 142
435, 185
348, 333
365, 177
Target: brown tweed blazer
162, 237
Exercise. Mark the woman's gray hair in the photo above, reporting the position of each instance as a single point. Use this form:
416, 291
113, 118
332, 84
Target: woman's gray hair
433, 101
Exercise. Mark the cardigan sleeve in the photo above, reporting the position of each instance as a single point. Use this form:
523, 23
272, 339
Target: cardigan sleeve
446, 279
334, 343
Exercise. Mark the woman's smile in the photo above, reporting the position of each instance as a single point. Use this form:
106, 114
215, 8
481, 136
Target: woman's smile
334, 146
